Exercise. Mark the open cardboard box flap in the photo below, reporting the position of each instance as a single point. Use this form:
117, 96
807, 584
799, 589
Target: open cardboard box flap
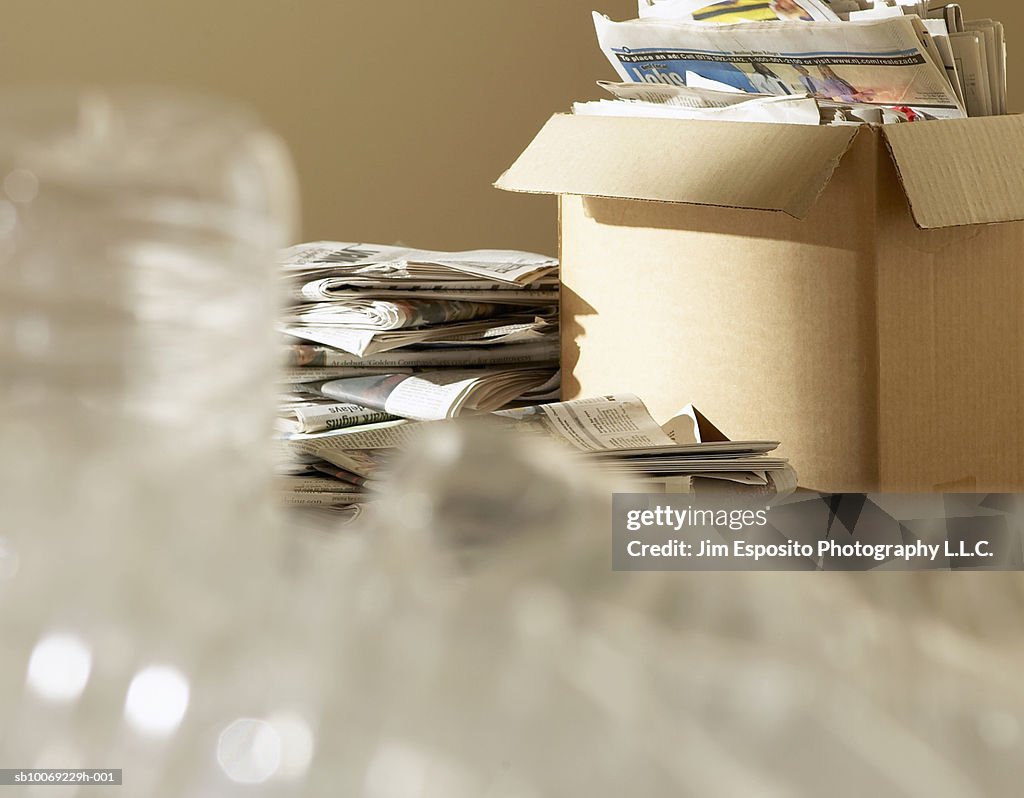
954, 172
961, 171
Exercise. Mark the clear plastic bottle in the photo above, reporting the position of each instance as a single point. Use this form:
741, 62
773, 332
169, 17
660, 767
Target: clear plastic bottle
138, 235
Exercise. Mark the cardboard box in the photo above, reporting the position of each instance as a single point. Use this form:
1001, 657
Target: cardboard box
844, 290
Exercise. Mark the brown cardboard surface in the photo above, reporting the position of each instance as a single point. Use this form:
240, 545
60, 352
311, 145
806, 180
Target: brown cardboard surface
952, 360
727, 164
961, 172
765, 323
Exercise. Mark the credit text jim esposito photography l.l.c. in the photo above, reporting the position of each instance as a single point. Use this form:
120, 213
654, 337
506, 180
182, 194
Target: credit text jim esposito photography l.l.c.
741, 549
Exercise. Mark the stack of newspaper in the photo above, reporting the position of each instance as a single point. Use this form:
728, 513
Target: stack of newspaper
803, 62
378, 333
615, 432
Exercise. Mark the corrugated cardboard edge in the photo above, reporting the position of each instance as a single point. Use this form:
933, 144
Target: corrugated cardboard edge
829, 169
558, 161
962, 172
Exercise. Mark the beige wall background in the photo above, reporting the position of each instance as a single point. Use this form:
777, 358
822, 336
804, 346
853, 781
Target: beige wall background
399, 113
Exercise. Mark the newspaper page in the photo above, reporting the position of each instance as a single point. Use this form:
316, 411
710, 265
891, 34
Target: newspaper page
321, 416
618, 430
695, 97
728, 11
695, 458
393, 314
383, 435
320, 501
505, 329
543, 351
940, 36
995, 54
969, 51
686, 96
485, 332
333, 289
364, 464
437, 395
883, 62
336, 472
602, 423
305, 375
540, 329
517, 268
769, 110
318, 490
546, 391
324, 282
950, 13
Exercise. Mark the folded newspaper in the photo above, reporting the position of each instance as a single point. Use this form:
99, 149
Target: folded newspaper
617, 432
304, 375
662, 100
434, 395
376, 263
544, 351
769, 110
514, 328
366, 299
306, 491
335, 289
382, 333
891, 62
393, 314
302, 413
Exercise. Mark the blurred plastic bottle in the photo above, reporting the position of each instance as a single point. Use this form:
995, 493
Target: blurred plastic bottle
138, 234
